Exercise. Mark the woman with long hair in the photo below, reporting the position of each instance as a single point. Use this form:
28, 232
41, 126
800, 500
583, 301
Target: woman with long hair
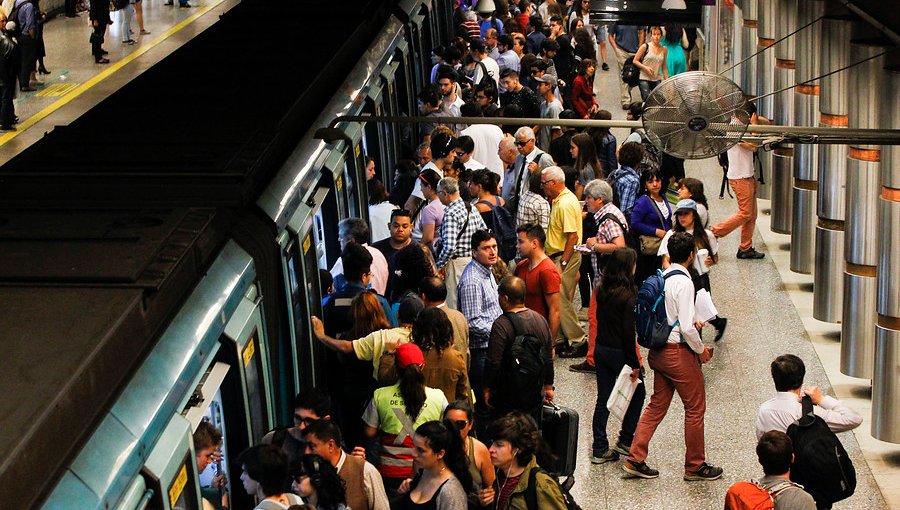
368, 316
443, 480
583, 89
516, 450
409, 398
380, 209
587, 164
690, 188
484, 187
264, 475
605, 143
651, 60
410, 267
318, 483
404, 180
706, 248
615, 348
676, 44
478, 458
445, 367
651, 218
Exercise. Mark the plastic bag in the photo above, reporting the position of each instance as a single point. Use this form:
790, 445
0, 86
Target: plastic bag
622, 393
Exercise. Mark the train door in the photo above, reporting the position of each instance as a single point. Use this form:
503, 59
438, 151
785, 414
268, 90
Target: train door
171, 469
429, 39
301, 271
325, 221
392, 107
405, 81
354, 170
421, 56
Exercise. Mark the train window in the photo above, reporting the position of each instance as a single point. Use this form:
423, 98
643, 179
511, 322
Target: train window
218, 470
181, 493
391, 131
311, 369
405, 91
256, 387
328, 249
170, 469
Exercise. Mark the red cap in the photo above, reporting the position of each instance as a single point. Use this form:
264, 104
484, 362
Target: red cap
409, 354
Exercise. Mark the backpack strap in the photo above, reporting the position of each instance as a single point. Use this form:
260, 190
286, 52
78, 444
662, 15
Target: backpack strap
516, 323
531, 490
809, 415
666, 277
611, 216
781, 487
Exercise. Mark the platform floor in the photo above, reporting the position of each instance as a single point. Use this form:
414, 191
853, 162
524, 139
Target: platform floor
770, 313
76, 83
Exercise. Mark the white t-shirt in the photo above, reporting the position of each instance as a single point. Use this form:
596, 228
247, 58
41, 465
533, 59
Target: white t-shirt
740, 163
699, 266
379, 217
379, 269
493, 70
417, 187
487, 139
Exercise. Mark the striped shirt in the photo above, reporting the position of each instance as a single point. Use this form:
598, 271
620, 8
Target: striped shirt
454, 241
533, 208
479, 302
606, 232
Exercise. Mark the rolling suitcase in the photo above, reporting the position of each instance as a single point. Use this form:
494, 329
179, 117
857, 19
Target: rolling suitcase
559, 427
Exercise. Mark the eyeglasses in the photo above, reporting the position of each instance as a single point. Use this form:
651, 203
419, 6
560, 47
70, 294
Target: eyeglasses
523, 144
544, 183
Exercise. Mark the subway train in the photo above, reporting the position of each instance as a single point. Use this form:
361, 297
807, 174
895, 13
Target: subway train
159, 273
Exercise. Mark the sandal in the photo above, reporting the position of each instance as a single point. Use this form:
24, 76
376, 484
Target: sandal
102, 61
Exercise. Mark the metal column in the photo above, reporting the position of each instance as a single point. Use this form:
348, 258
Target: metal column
828, 297
765, 67
806, 110
783, 105
860, 246
886, 381
748, 45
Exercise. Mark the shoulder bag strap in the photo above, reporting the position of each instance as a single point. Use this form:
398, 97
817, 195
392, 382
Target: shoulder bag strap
662, 221
465, 225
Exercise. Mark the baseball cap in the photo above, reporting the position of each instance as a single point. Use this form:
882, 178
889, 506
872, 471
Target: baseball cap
686, 204
547, 78
408, 354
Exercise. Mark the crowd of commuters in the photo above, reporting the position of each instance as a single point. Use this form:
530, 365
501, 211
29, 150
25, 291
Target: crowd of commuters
474, 256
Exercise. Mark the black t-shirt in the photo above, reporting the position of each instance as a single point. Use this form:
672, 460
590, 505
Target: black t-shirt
525, 99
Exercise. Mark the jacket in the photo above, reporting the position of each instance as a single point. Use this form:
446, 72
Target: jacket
645, 217
9, 60
548, 494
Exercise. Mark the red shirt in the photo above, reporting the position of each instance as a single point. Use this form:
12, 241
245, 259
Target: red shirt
540, 281
582, 97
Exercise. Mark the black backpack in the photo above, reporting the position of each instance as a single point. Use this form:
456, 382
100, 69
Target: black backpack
821, 464
652, 154
14, 16
504, 229
531, 491
522, 366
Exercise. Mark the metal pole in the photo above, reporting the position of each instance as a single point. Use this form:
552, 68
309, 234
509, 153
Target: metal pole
886, 381
783, 105
766, 82
828, 296
748, 45
806, 109
860, 246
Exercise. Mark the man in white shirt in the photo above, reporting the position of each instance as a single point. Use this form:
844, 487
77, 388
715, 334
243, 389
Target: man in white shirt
446, 79
480, 54
356, 229
742, 178
365, 490
486, 138
676, 368
443, 154
780, 412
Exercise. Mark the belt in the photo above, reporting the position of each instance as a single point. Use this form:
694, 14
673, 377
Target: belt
670, 345
557, 254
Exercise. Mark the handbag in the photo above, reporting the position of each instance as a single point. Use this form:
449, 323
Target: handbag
650, 244
631, 74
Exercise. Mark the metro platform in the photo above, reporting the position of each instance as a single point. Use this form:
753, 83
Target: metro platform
770, 313
768, 306
75, 83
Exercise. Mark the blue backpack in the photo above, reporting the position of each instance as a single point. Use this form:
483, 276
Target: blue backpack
650, 311
504, 227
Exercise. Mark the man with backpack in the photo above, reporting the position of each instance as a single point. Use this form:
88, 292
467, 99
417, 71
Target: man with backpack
677, 368
519, 366
775, 490
625, 181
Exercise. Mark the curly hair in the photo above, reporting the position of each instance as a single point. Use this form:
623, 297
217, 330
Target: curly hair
411, 268
331, 490
433, 330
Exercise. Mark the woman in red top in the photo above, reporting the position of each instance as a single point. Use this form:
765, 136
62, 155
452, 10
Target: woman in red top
583, 90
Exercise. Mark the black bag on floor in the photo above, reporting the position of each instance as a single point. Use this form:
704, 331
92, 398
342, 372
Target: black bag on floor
559, 428
821, 464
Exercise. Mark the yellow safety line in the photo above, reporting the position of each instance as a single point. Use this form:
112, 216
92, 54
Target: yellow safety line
34, 119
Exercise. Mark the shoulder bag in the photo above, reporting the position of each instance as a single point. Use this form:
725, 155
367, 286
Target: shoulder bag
650, 244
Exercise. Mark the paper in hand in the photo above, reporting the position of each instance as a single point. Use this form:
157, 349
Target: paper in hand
704, 309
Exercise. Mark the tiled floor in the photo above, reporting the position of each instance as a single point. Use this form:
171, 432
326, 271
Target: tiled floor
76, 83
769, 310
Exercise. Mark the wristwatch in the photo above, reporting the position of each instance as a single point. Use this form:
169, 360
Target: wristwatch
563, 263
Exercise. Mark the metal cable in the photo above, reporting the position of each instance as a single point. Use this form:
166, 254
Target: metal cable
820, 18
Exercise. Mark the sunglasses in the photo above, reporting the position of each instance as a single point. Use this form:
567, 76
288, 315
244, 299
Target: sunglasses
460, 424
522, 144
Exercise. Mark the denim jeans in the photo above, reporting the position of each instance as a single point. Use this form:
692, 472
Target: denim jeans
127, 15
609, 363
645, 88
476, 381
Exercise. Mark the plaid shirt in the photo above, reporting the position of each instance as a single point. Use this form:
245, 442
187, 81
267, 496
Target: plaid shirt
606, 232
533, 208
628, 183
454, 243
479, 302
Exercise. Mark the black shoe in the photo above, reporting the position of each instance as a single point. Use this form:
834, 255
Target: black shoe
43, 70
582, 367
605, 67
642, 470
573, 352
168, 3
7, 128
705, 473
129, 41
750, 254
27, 89
185, 6
720, 323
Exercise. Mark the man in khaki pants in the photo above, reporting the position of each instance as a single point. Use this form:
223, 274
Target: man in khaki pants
563, 233
461, 220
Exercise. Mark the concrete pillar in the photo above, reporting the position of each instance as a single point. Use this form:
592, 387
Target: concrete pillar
783, 105
828, 297
886, 380
860, 246
765, 84
748, 43
806, 113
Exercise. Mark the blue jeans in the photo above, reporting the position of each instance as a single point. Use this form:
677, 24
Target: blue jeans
645, 88
127, 15
609, 363
476, 382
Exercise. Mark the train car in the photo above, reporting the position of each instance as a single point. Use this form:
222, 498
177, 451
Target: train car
151, 281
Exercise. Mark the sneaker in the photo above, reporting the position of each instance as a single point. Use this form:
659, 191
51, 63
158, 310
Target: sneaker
720, 323
705, 473
608, 456
582, 367
642, 470
605, 67
129, 42
751, 254
573, 352
582, 315
623, 449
